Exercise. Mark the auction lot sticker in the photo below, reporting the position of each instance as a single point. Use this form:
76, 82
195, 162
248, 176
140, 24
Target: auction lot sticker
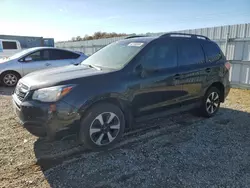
136, 44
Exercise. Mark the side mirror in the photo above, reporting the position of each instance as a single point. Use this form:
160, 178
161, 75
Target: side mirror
28, 59
141, 71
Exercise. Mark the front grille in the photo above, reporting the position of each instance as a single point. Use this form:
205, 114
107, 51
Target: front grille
21, 91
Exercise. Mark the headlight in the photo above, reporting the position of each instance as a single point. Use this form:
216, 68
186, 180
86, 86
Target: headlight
51, 94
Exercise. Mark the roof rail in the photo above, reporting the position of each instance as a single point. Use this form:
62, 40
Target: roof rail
184, 35
134, 36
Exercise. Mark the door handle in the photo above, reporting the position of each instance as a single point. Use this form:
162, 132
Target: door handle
177, 77
208, 70
47, 64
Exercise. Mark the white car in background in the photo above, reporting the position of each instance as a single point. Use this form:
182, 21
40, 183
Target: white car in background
32, 59
9, 48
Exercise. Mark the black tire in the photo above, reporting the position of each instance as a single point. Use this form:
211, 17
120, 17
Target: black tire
215, 104
12, 74
90, 122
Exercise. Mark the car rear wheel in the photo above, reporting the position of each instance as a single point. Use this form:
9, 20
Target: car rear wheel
211, 102
9, 79
102, 126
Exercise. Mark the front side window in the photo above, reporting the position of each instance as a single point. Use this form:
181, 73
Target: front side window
115, 55
36, 56
8, 45
41, 55
190, 52
162, 54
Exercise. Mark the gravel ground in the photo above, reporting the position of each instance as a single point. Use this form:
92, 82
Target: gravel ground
178, 151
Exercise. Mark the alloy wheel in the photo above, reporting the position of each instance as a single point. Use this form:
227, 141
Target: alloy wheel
104, 128
212, 102
10, 79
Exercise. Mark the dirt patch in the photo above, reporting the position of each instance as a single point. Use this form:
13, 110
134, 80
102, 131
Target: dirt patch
177, 151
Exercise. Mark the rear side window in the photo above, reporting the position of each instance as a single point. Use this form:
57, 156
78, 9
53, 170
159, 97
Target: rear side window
190, 52
162, 54
8, 45
212, 51
61, 54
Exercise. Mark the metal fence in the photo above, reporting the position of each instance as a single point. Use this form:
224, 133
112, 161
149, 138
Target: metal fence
234, 41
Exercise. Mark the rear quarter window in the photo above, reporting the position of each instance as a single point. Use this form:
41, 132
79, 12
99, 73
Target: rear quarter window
70, 55
62, 54
212, 51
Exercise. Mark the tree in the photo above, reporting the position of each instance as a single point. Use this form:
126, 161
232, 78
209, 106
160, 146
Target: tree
78, 38
99, 35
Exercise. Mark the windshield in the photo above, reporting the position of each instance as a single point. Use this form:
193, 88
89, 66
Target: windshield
19, 54
115, 55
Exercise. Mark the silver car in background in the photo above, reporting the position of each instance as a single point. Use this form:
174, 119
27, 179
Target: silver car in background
32, 59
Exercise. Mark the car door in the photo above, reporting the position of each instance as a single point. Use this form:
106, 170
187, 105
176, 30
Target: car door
60, 58
156, 89
35, 61
192, 68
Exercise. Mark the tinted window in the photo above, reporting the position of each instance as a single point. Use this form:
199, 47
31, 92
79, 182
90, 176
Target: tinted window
71, 55
36, 56
61, 54
40, 55
190, 52
9, 45
45, 54
212, 51
162, 54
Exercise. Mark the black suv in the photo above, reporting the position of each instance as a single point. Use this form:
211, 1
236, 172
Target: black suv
132, 78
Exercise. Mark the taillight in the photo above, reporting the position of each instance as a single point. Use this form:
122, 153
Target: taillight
228, 65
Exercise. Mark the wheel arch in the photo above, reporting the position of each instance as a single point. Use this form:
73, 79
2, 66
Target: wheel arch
124, 105
6, 71
220, 87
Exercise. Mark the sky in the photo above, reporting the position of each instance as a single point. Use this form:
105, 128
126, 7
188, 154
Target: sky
64, 19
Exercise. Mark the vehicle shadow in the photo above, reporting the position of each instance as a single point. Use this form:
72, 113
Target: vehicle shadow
181, 150
6, 90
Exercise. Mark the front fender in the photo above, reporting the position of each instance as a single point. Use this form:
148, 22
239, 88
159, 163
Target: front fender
11, 66
104, 97
115, 98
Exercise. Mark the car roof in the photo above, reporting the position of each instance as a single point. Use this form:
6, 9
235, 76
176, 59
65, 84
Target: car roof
171, 35
47, 47
140, 39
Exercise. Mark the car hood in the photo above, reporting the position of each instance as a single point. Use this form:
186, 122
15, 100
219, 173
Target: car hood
50, 77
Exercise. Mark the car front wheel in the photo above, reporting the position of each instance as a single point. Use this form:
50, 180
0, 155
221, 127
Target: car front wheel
102, 126
9, 79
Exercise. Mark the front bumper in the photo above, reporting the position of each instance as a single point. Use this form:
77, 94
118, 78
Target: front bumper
43, 119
